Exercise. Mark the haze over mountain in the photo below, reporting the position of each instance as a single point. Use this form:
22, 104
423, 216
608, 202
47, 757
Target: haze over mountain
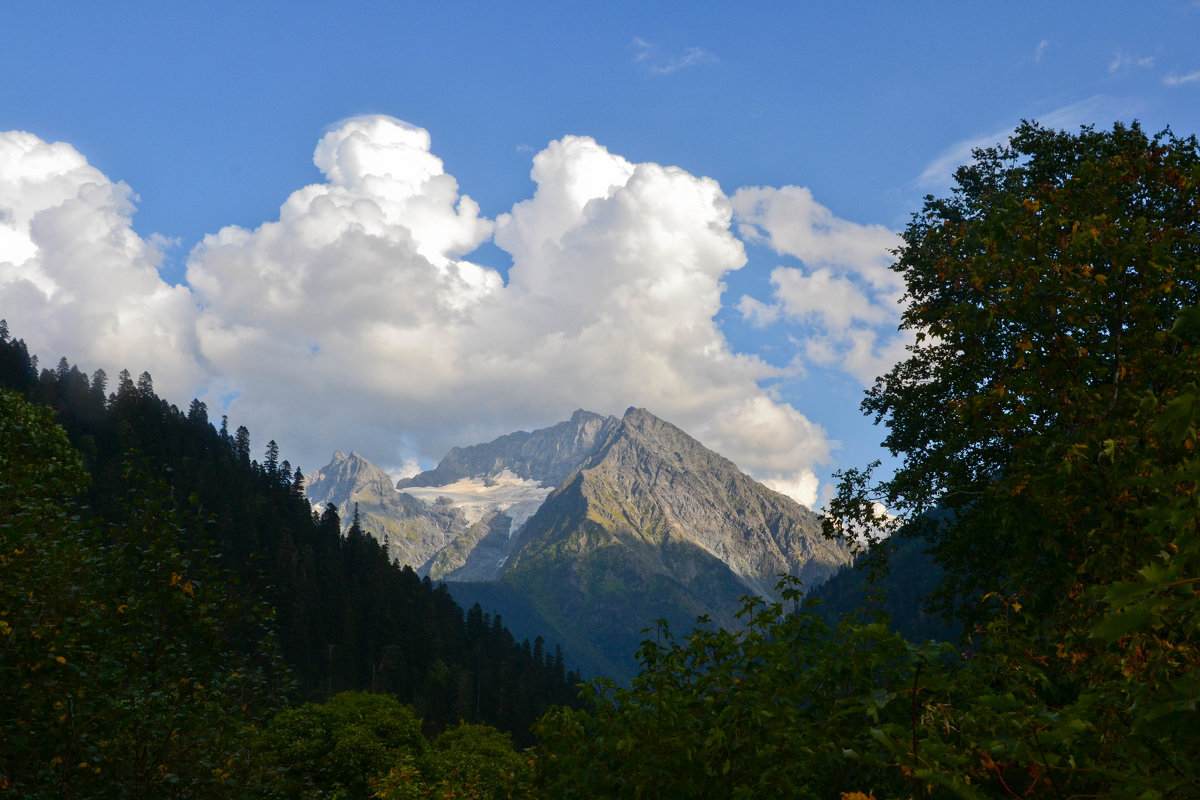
598, 525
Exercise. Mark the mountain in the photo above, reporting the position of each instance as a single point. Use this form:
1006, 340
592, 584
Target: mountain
907, 575
546, 456
654, 525
412, 531
598, 525
459, 521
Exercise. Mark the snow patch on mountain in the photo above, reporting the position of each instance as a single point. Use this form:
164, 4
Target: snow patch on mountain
515, 497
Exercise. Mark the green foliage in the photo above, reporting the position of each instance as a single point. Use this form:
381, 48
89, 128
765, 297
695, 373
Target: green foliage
1042, 296
1046, 420
345, 616
131, 665
358, 745
785, 707
472, 762
116, 673
338, 748
1048, 410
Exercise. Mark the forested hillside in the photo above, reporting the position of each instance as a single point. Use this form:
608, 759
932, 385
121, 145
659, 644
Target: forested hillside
895, 579
344, 616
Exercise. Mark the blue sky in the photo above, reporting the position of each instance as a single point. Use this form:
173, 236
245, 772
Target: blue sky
752, 308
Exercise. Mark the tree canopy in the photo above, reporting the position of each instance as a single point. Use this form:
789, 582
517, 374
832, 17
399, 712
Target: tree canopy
1045, 422
118, 670
1044, 295
1045, 419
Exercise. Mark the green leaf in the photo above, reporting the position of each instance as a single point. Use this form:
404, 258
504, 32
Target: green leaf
1125, 592
1119, 623
1187, 324
1177, 418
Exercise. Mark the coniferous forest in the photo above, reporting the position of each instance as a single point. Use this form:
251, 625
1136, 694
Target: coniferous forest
162, 501
176, 621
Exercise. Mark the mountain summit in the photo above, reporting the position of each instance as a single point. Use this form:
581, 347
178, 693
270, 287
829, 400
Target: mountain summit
596, 525
547, 455
655, 525
651, 483
413, 531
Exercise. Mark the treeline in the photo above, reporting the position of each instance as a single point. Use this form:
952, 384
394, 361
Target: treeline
345, 617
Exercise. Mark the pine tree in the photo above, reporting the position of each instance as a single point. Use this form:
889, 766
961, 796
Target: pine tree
271, 459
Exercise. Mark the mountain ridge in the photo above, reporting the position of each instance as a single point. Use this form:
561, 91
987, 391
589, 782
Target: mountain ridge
654, 525
644, 523
548, 455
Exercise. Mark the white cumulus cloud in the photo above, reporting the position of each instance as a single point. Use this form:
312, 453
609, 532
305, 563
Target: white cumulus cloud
844, 290
76, 280
356, 319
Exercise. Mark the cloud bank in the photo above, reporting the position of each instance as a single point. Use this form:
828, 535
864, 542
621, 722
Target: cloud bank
845, 297
357, 319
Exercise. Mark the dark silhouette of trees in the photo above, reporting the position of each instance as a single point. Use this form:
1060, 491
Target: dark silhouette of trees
346, 617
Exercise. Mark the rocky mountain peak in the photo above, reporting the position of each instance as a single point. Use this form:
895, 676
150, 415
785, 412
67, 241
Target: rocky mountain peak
654, 483
600, 524
344, 476
655, 525
547, 455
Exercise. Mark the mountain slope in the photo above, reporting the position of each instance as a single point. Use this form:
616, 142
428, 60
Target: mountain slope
458, 521
414, 532
655, 525
346, 618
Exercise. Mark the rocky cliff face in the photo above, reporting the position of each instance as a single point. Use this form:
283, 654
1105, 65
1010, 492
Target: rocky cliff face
601, 525
547, 455
652, 482
654, 525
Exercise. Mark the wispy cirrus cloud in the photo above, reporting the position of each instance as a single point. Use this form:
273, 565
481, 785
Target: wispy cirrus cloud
1175, 78
938, 175
654, 62
1122, 60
